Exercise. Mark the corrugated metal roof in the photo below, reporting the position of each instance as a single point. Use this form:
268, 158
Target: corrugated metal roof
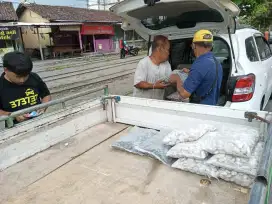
66, 13
21, 24
7, 12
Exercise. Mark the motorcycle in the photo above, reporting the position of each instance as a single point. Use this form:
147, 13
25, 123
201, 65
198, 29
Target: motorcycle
133, 51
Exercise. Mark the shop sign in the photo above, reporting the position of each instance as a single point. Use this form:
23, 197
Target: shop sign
97, 30
3, 51
9, 33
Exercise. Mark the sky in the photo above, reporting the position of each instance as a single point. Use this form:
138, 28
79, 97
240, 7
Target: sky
74, 3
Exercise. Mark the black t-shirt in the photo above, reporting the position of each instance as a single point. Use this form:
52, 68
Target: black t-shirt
15, 97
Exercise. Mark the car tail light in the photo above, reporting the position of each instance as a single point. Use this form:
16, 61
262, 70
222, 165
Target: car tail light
244, 88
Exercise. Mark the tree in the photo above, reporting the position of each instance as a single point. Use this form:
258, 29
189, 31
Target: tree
255, 12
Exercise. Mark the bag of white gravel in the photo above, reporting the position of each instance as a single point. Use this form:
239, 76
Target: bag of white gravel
189, 150
238, 141
176, 96
197, 167
237, 178
242, 165
202, 168
134, 138
154, 147
193, 134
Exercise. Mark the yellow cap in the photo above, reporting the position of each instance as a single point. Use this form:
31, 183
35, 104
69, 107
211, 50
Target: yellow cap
203, 36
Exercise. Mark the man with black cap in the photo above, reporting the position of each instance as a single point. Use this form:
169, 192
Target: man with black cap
20, 88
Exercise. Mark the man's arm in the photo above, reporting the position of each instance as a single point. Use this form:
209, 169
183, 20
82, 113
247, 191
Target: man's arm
146, 85
140, 79
44, 92
182, 92
4, 113
190, 85
174, 79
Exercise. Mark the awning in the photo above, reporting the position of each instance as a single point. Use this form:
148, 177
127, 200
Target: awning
97, 30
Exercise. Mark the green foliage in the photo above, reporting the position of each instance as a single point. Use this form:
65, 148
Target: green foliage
256, 12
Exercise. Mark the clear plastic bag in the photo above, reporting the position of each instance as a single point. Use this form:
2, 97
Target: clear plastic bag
239, 141
242, 165
193, 134
196, 166
182, 75
176, 96
134, 138
237, 178
188, 150
154, 147
202, 168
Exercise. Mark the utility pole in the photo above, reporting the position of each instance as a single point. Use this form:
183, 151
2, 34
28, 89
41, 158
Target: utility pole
87, 3
98, 4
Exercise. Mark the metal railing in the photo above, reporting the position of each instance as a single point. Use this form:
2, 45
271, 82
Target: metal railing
9, 119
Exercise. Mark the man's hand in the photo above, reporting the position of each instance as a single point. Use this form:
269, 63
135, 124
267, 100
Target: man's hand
21, 118
186, 70
160, 85
41, 111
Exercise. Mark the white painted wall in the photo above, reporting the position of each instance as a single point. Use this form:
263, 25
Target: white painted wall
29, 34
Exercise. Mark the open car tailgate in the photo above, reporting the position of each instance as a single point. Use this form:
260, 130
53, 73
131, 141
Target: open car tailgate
177, 17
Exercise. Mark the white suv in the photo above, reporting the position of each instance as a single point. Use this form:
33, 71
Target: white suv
244, 53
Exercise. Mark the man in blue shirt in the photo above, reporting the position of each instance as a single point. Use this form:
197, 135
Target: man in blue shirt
205, 76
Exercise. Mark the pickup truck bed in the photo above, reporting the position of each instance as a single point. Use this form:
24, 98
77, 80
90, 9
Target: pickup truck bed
85, 169
65, 156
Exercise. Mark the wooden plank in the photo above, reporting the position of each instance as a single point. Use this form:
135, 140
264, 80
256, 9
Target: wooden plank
29, 171
103, 175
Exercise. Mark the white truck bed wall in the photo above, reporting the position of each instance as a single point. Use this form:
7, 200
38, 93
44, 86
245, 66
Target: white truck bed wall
163, 114
29, 138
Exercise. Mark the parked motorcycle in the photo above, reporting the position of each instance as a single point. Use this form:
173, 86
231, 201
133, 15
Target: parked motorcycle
133, 51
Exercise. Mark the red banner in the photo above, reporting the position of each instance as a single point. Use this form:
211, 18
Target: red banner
97, 30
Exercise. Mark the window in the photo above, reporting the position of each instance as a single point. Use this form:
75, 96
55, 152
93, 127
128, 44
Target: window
182, 53
263, 48
220, 49
251, 50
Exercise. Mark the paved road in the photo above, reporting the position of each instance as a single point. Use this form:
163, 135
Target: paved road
71, 76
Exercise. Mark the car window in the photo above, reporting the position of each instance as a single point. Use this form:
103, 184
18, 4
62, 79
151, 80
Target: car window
182, 53
220, 49
251, 50
263, 48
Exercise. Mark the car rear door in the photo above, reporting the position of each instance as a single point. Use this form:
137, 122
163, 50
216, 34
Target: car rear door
266, 63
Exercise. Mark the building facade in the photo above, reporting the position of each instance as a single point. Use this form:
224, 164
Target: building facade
9, 35
69, 28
